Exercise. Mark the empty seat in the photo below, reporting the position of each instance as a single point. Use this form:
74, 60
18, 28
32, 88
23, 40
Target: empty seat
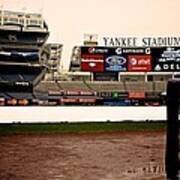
46, 86
20, 95
4, 95
10, 77
29, 77
74, 85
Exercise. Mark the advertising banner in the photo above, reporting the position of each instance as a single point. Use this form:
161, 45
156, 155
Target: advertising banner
166, 59
115, 63
96, 50
136, 95
114, 50
139, 63
92, 63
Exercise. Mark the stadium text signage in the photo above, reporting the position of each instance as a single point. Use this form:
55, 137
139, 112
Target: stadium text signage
143, 42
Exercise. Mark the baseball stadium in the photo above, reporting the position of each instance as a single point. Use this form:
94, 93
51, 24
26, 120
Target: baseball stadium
99, 77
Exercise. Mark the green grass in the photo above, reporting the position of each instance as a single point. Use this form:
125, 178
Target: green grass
7, 129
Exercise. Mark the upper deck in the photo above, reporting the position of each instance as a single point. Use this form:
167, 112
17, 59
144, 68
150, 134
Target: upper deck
20, 28
11, 20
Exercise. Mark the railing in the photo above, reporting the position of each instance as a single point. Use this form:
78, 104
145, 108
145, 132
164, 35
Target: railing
27, 21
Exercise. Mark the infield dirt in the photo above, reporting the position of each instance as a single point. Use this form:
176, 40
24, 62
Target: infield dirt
83, 156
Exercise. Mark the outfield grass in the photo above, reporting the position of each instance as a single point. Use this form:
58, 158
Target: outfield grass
6, 129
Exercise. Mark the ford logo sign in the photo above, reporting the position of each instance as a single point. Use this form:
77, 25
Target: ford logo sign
116, 60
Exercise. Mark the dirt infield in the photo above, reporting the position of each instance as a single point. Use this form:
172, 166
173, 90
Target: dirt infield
98, 156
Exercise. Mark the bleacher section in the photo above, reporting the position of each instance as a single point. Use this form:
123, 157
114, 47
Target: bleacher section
103, 86
101, 93
23, 95
160, 86
74, 86
10, 77
46, 86
139, 86
16, 55
15, 73
4, 95
106, 86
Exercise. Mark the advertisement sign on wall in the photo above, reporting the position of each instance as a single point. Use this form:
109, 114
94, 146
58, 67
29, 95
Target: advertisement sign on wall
139, 63
118, 59
95, 50
115, 63
92, 63
136, 95
166, 59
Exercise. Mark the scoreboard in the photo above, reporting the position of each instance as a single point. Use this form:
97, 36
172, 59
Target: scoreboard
138, 59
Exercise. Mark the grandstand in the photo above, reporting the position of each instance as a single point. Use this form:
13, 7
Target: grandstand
23, 56
30, 69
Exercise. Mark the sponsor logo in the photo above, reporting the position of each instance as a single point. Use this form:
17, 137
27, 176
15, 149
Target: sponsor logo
170, 55
115, 63
133, 50
92, 62
115, 60
92, 56
93, 50
167, 67
118, 51
148, 50
157, 68
168, 59
139, 63
136, 95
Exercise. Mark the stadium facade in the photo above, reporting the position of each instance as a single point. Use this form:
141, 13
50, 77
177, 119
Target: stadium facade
98, 75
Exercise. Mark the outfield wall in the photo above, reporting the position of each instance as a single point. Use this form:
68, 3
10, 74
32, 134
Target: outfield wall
80, 114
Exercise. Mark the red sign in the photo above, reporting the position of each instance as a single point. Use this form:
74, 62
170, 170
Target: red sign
87, 100
136, 95
69, 100
92, 62
139, 63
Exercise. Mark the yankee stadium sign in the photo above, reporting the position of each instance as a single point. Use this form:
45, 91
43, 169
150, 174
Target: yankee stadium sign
141, 42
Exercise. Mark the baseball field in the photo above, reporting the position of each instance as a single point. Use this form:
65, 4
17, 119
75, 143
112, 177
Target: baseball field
83, 151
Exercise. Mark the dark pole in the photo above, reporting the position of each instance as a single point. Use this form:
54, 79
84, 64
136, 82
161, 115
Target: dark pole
172, 161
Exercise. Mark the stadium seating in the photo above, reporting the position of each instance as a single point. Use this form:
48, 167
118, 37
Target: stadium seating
4, 95
46, 86
29, 77
20, 95
106, 86
139, 86
10, 77
160, 86
18, 77
103, 86
74, 85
